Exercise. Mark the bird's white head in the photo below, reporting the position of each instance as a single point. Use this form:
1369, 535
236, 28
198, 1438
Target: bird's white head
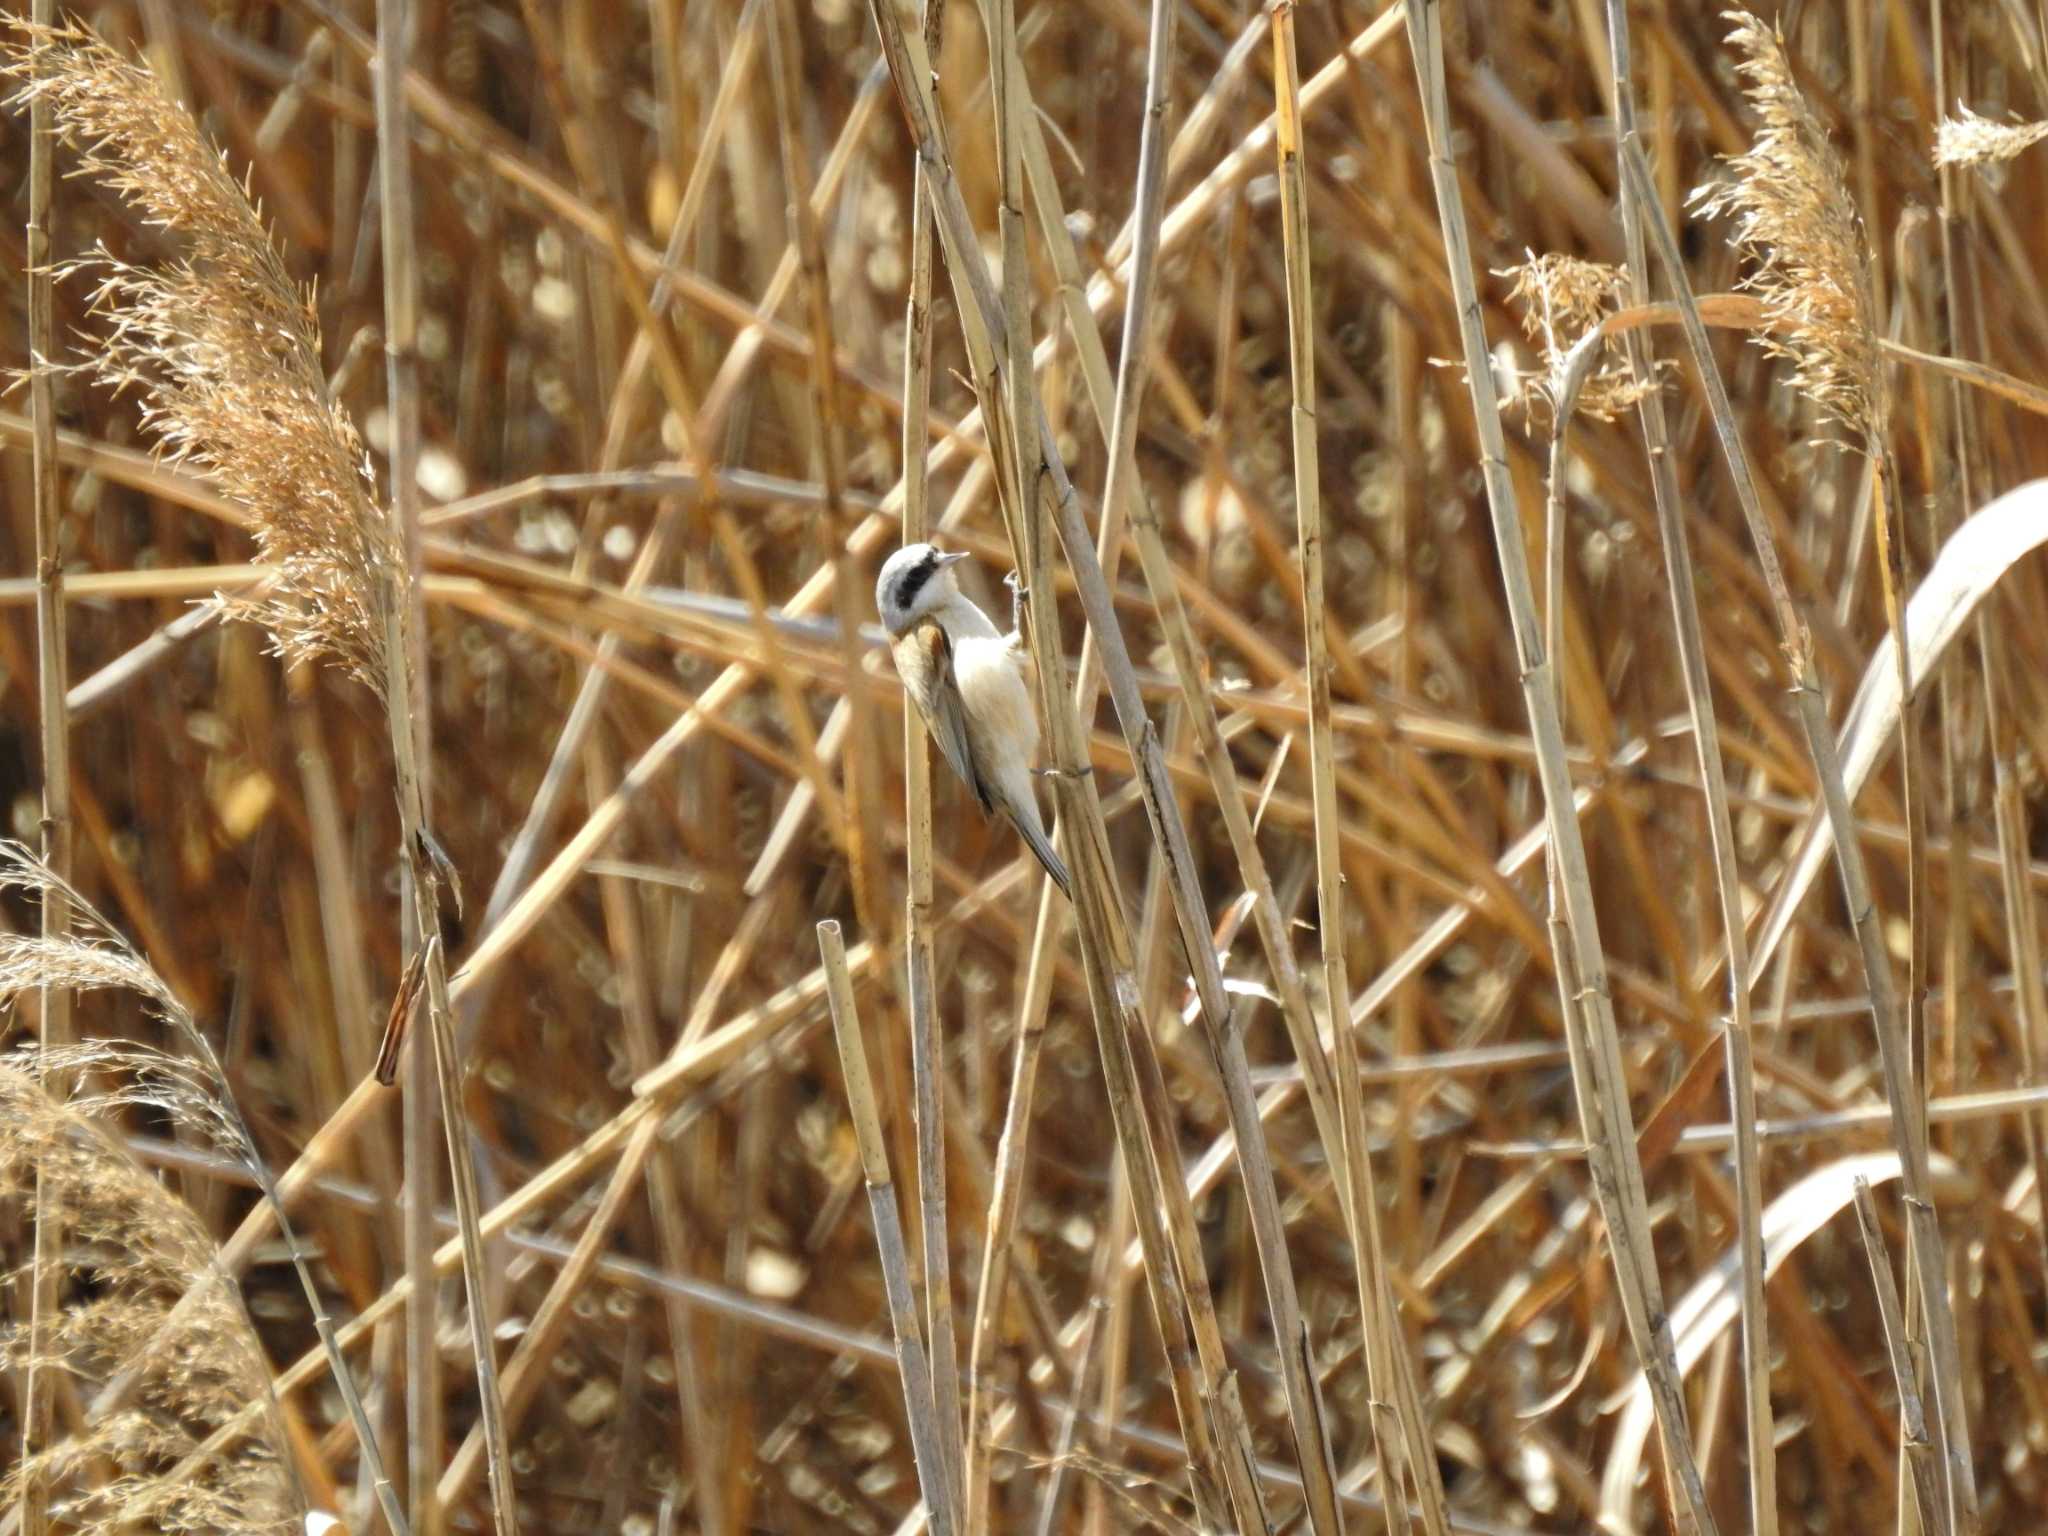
915, 581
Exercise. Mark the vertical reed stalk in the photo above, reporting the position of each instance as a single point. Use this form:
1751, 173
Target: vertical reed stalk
921, 989
925, 1432
434, 1074
1737, 1038
1387, 1371
55, 736
1597, 1069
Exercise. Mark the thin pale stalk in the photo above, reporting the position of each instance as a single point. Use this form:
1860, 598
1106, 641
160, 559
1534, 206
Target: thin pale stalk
1599, 1077
874, 1160
1193, 677
424, 1413
55, 738
1759, 1431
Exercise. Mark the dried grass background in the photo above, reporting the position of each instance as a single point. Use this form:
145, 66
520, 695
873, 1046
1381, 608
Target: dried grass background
722, 1361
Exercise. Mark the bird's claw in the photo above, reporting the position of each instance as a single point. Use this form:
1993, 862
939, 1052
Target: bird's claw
1020, 601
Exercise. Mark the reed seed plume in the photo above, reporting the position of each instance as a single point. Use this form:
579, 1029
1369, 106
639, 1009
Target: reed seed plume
145, 1376
1967, 139
1562, 300
1793, 219
223, 348
139, 1285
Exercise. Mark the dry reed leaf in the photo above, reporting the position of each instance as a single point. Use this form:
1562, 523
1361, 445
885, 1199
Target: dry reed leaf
1793, 218
1972, 562
1715, 1299
1967, 139
141, 1291
224, 350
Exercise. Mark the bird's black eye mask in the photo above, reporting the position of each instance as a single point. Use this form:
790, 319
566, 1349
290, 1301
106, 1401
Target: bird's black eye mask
912, 581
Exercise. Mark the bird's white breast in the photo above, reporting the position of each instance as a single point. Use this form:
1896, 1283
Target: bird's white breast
990, 676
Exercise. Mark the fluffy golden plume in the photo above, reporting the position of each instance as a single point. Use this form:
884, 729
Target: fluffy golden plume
1967, 139
1794, 220
224, 348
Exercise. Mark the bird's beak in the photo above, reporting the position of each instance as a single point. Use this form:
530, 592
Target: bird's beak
953, 558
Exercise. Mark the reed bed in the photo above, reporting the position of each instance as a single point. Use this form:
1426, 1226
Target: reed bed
1528, 527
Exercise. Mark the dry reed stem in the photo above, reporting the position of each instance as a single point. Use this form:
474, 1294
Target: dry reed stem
1602, 1090
1388, 1371
1893, 1039
1737, 1040
53, 738
925, 1430
1914, 1444
412, 747
962, 1444
1901, 1091
1224, 1040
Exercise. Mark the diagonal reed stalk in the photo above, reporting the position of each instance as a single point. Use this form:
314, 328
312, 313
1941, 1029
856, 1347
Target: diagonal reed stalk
1220, 1026
1914, 1444
1586, 999
1181, 1303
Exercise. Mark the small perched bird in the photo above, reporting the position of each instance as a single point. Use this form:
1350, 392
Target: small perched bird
968, 681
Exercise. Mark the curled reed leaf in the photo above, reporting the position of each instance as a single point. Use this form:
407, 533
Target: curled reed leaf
224, 349
1794, 220
1967, 139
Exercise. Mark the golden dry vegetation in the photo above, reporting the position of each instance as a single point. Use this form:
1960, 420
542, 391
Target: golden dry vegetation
1488, 474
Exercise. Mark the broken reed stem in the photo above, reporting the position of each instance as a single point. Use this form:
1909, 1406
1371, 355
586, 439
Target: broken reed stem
1895, 1059
1759, 1431
54, 733
1599, 1077
1388, 1371
921, 993
434, 1077
1913, 1438
922, 1410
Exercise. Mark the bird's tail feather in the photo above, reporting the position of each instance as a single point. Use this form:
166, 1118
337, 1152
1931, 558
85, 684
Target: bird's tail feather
1041, 845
